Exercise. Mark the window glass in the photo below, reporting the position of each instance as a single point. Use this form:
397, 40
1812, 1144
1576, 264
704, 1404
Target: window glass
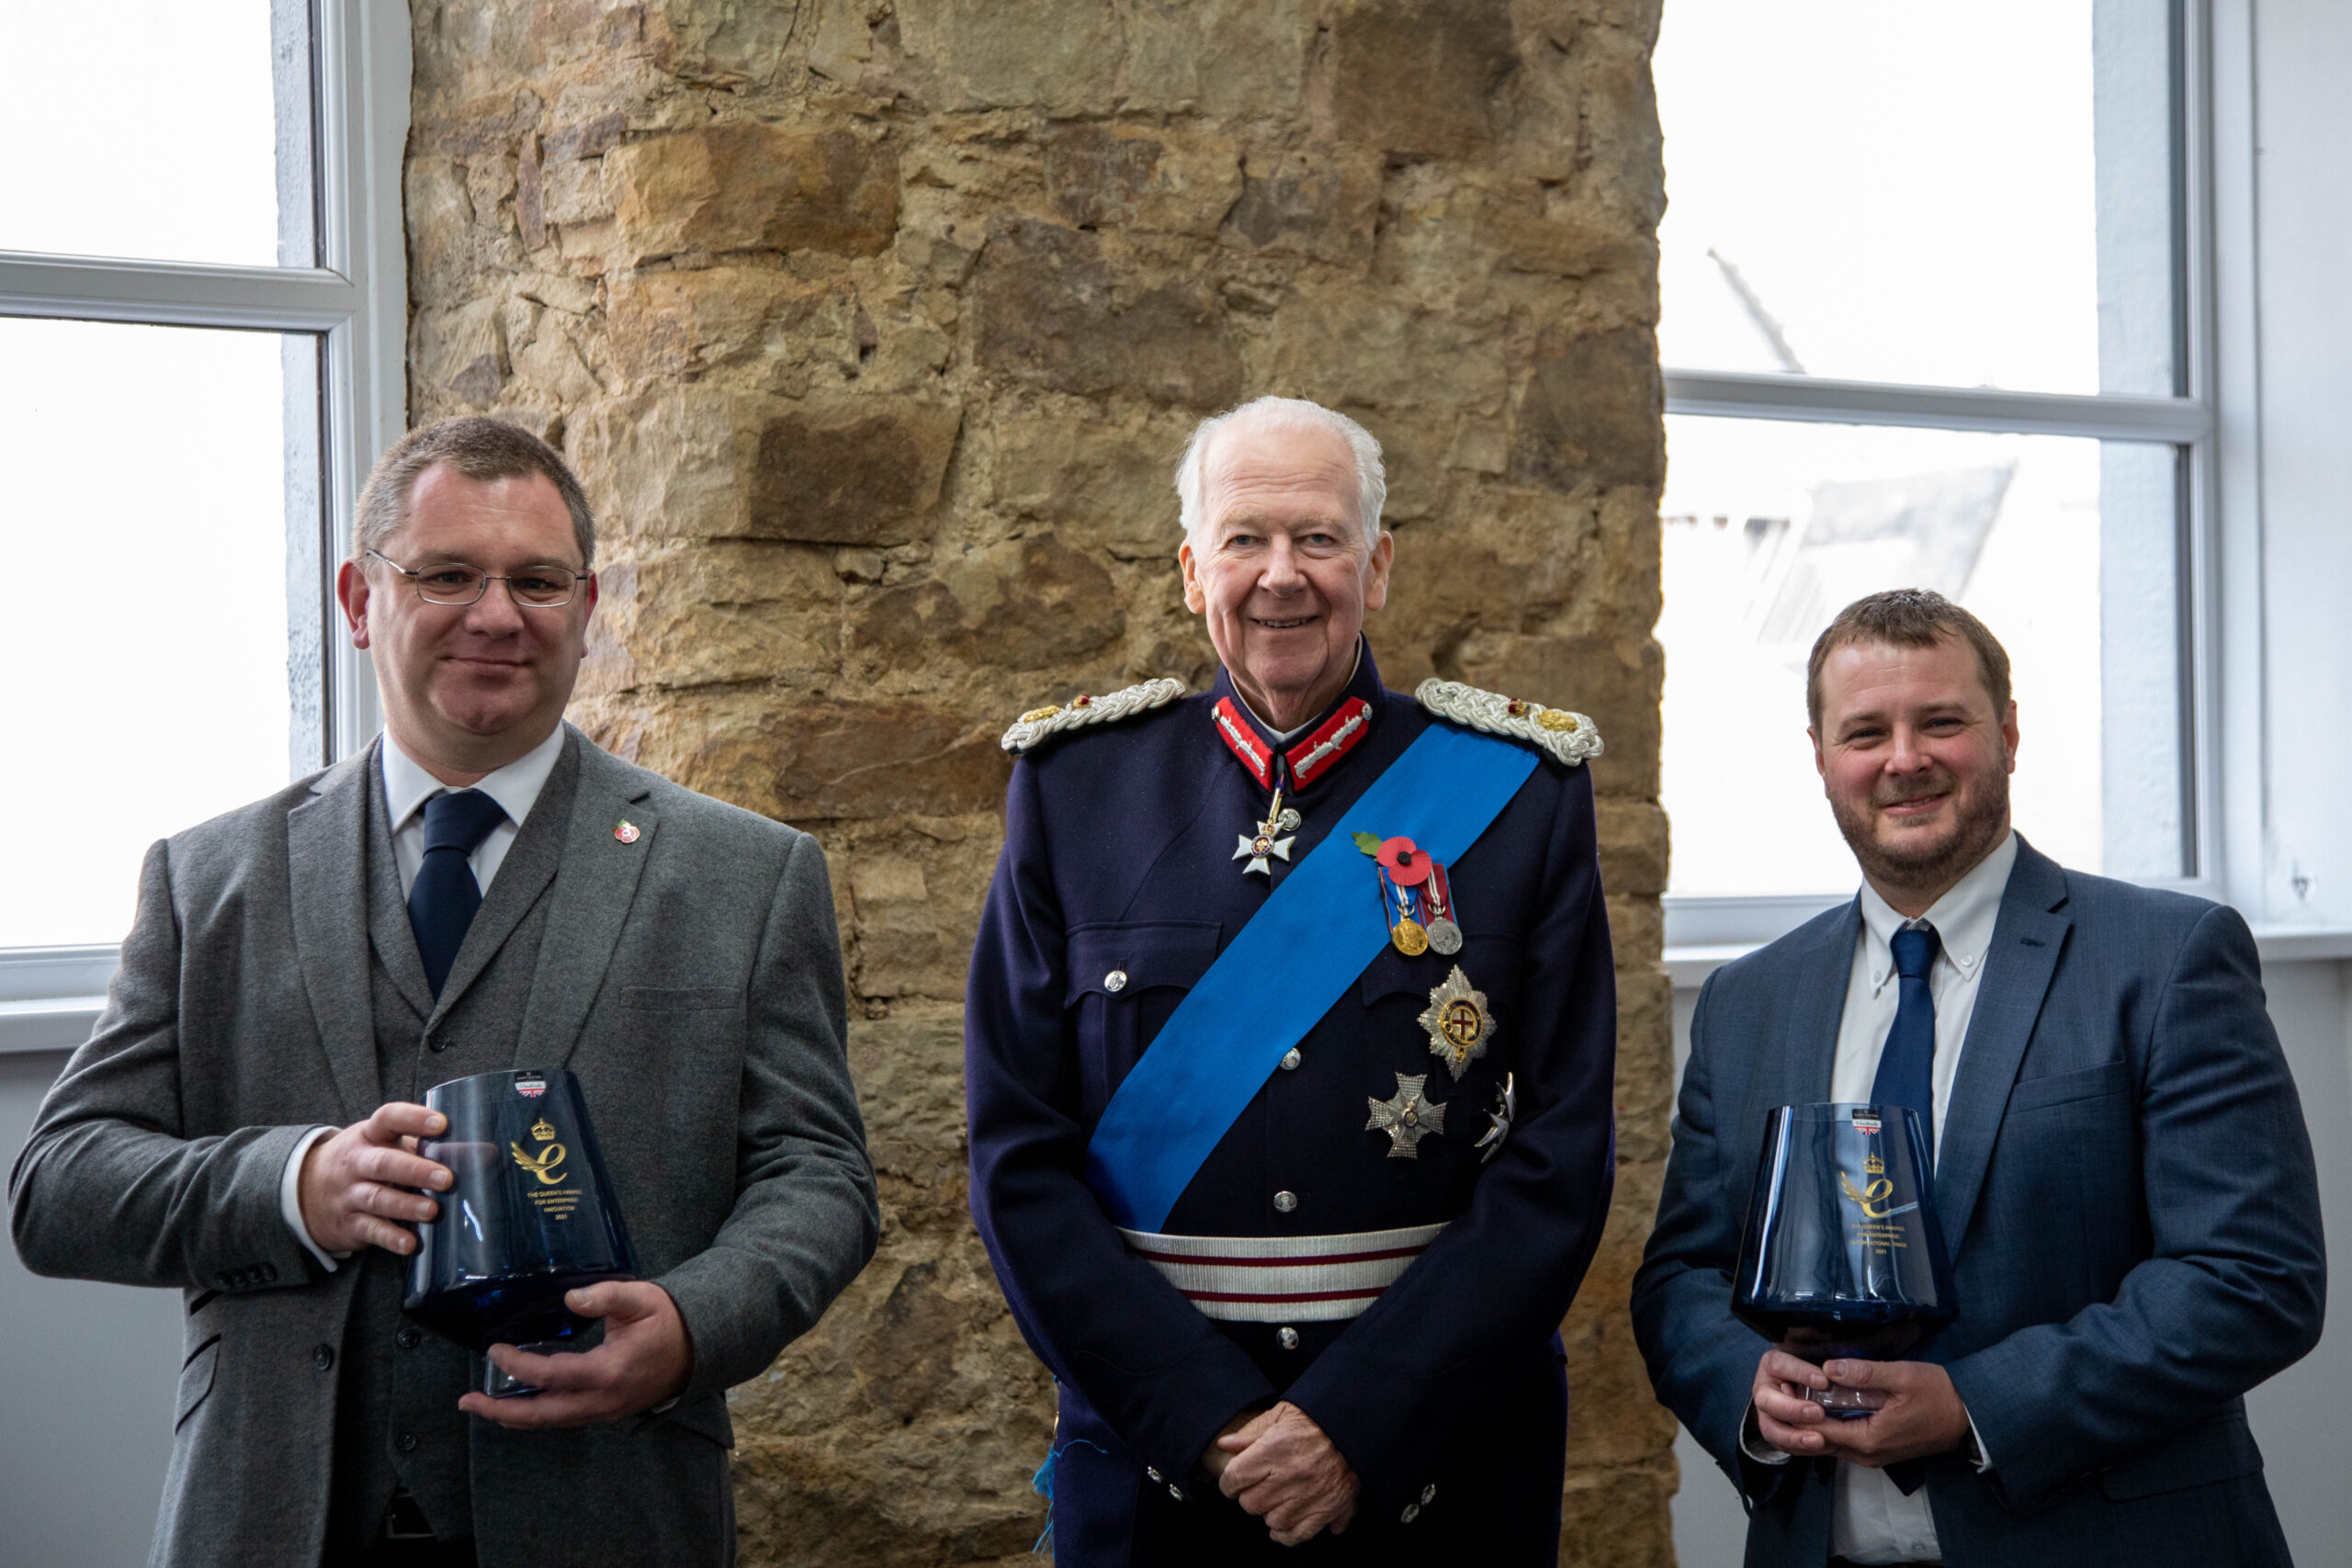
161, 130
1967, 195
2067, 549
151, 613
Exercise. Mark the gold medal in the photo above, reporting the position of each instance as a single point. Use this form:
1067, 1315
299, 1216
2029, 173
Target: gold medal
1411, 939
1458, 1022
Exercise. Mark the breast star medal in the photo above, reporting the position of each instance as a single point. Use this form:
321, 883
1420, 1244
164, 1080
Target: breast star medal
1407, 1118
1257, 846
1505, 1111
1458, 1022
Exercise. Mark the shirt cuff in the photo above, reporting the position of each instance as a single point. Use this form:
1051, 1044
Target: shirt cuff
1752, 1443
289, 1200
1974, 1452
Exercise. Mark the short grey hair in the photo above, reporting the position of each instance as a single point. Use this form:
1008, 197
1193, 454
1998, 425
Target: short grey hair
1282, 414
479, 449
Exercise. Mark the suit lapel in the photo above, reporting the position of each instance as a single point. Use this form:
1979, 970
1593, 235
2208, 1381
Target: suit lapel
326, 877
1796, 1065
388, 922
594, 889
523, 876
2027, 939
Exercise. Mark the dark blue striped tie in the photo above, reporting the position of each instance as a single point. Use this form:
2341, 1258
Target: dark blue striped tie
1906, 1068
442, 901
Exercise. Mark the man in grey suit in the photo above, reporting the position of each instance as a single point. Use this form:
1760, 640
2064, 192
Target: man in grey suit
2121, 1169
482, 889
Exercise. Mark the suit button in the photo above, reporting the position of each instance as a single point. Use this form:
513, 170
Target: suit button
323, 1358
1287, 1336
1291, 1060
1412, 1512
405, 1442
269, 1273
1116, 980
1285, 1201
408, 1338
437, 1043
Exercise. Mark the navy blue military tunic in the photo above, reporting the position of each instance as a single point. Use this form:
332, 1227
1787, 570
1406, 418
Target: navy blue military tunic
1117, 889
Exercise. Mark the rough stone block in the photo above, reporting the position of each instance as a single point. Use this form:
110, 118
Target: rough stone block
1117, 482
1357, 348
1324, 206
1616, 680
1420, 76
897, 930
748, 186
1052, 312
1591, 412
1115, 176
1633, 846
851, 471
1058, 57
730, 45
840, 761
683, 324
714, 612
1027, 604
1232, 59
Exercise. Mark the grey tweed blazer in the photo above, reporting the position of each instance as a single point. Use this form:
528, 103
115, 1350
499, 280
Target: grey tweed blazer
692, 979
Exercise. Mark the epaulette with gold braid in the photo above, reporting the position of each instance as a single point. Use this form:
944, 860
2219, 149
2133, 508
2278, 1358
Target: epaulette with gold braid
1564, 737
1033, 728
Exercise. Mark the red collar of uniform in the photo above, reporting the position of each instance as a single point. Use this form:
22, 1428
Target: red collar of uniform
1310, 757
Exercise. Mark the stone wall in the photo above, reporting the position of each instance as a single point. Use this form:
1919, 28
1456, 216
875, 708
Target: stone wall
874, 327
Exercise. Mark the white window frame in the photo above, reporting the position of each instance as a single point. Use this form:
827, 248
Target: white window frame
1703, 930
357, 302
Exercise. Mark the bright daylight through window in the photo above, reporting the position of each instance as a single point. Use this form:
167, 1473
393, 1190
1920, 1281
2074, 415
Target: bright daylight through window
1982, 197
167, 664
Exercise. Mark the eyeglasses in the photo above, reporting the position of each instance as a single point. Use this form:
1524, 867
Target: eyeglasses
454, 582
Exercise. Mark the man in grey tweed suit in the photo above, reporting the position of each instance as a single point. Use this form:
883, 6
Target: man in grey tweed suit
241, 1124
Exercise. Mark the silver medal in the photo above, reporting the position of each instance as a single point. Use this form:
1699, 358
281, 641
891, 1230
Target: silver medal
1446, 937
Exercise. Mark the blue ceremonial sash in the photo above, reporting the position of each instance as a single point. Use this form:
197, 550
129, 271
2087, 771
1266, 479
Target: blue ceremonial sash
1282, 971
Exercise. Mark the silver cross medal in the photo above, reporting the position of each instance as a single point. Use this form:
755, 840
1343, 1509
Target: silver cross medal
1407, 1119
1256, 848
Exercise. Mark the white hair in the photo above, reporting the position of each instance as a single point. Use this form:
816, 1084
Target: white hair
1277, 414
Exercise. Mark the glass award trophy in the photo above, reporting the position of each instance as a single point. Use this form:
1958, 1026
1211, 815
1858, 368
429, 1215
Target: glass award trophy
1841, 1255
528, 1215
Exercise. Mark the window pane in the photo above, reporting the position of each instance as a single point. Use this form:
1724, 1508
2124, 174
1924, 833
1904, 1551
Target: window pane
145, 506
2065, 549
1957, 194
202, 152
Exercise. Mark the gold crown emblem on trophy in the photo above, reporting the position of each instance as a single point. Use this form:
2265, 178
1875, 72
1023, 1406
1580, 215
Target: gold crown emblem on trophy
1873, 1166
543, 1130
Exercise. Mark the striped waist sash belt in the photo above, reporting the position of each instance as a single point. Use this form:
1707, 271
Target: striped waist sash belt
1288, 1279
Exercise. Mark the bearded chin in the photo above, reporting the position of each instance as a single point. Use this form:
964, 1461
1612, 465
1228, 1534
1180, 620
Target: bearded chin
1920, 862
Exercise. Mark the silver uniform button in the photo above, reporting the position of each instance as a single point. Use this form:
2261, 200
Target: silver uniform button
1176, 1491
1412, 1512
1153, 1473
1116, 980
1285, 1201
1429, 1494
1291, 1060
1287, 1336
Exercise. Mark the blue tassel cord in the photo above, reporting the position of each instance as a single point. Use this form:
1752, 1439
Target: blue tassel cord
1042, 1483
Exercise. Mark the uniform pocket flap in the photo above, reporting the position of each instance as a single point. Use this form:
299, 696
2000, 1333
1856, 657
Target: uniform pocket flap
2220, 1449
196, 1381
2058, 1088
1116, 960
1481, 957
679, 999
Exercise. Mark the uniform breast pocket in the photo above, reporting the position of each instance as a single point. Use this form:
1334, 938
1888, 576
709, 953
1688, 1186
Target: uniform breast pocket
1126, 981
1476, 1014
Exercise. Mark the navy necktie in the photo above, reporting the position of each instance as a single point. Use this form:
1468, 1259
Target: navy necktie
1906, 1068
442, 901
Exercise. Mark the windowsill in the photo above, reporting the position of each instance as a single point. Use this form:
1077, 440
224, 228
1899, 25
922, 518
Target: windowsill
52, 1024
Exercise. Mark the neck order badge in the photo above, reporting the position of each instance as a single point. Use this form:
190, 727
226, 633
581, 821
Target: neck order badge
1318, 929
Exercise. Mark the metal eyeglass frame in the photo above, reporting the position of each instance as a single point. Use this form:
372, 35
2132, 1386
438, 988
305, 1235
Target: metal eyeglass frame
416, 581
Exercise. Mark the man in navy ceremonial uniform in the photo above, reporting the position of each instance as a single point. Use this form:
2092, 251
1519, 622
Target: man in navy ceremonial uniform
1290, 1045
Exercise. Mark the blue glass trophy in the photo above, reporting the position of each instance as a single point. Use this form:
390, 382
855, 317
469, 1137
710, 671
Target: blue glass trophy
529, 1215
1841, 1255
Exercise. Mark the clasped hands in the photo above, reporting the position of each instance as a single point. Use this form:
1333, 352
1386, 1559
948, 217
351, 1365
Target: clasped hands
1281, 1466
1923, 1414
359, 1187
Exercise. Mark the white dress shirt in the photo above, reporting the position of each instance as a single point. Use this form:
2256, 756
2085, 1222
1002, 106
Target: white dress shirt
407, 787
1872, 1521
